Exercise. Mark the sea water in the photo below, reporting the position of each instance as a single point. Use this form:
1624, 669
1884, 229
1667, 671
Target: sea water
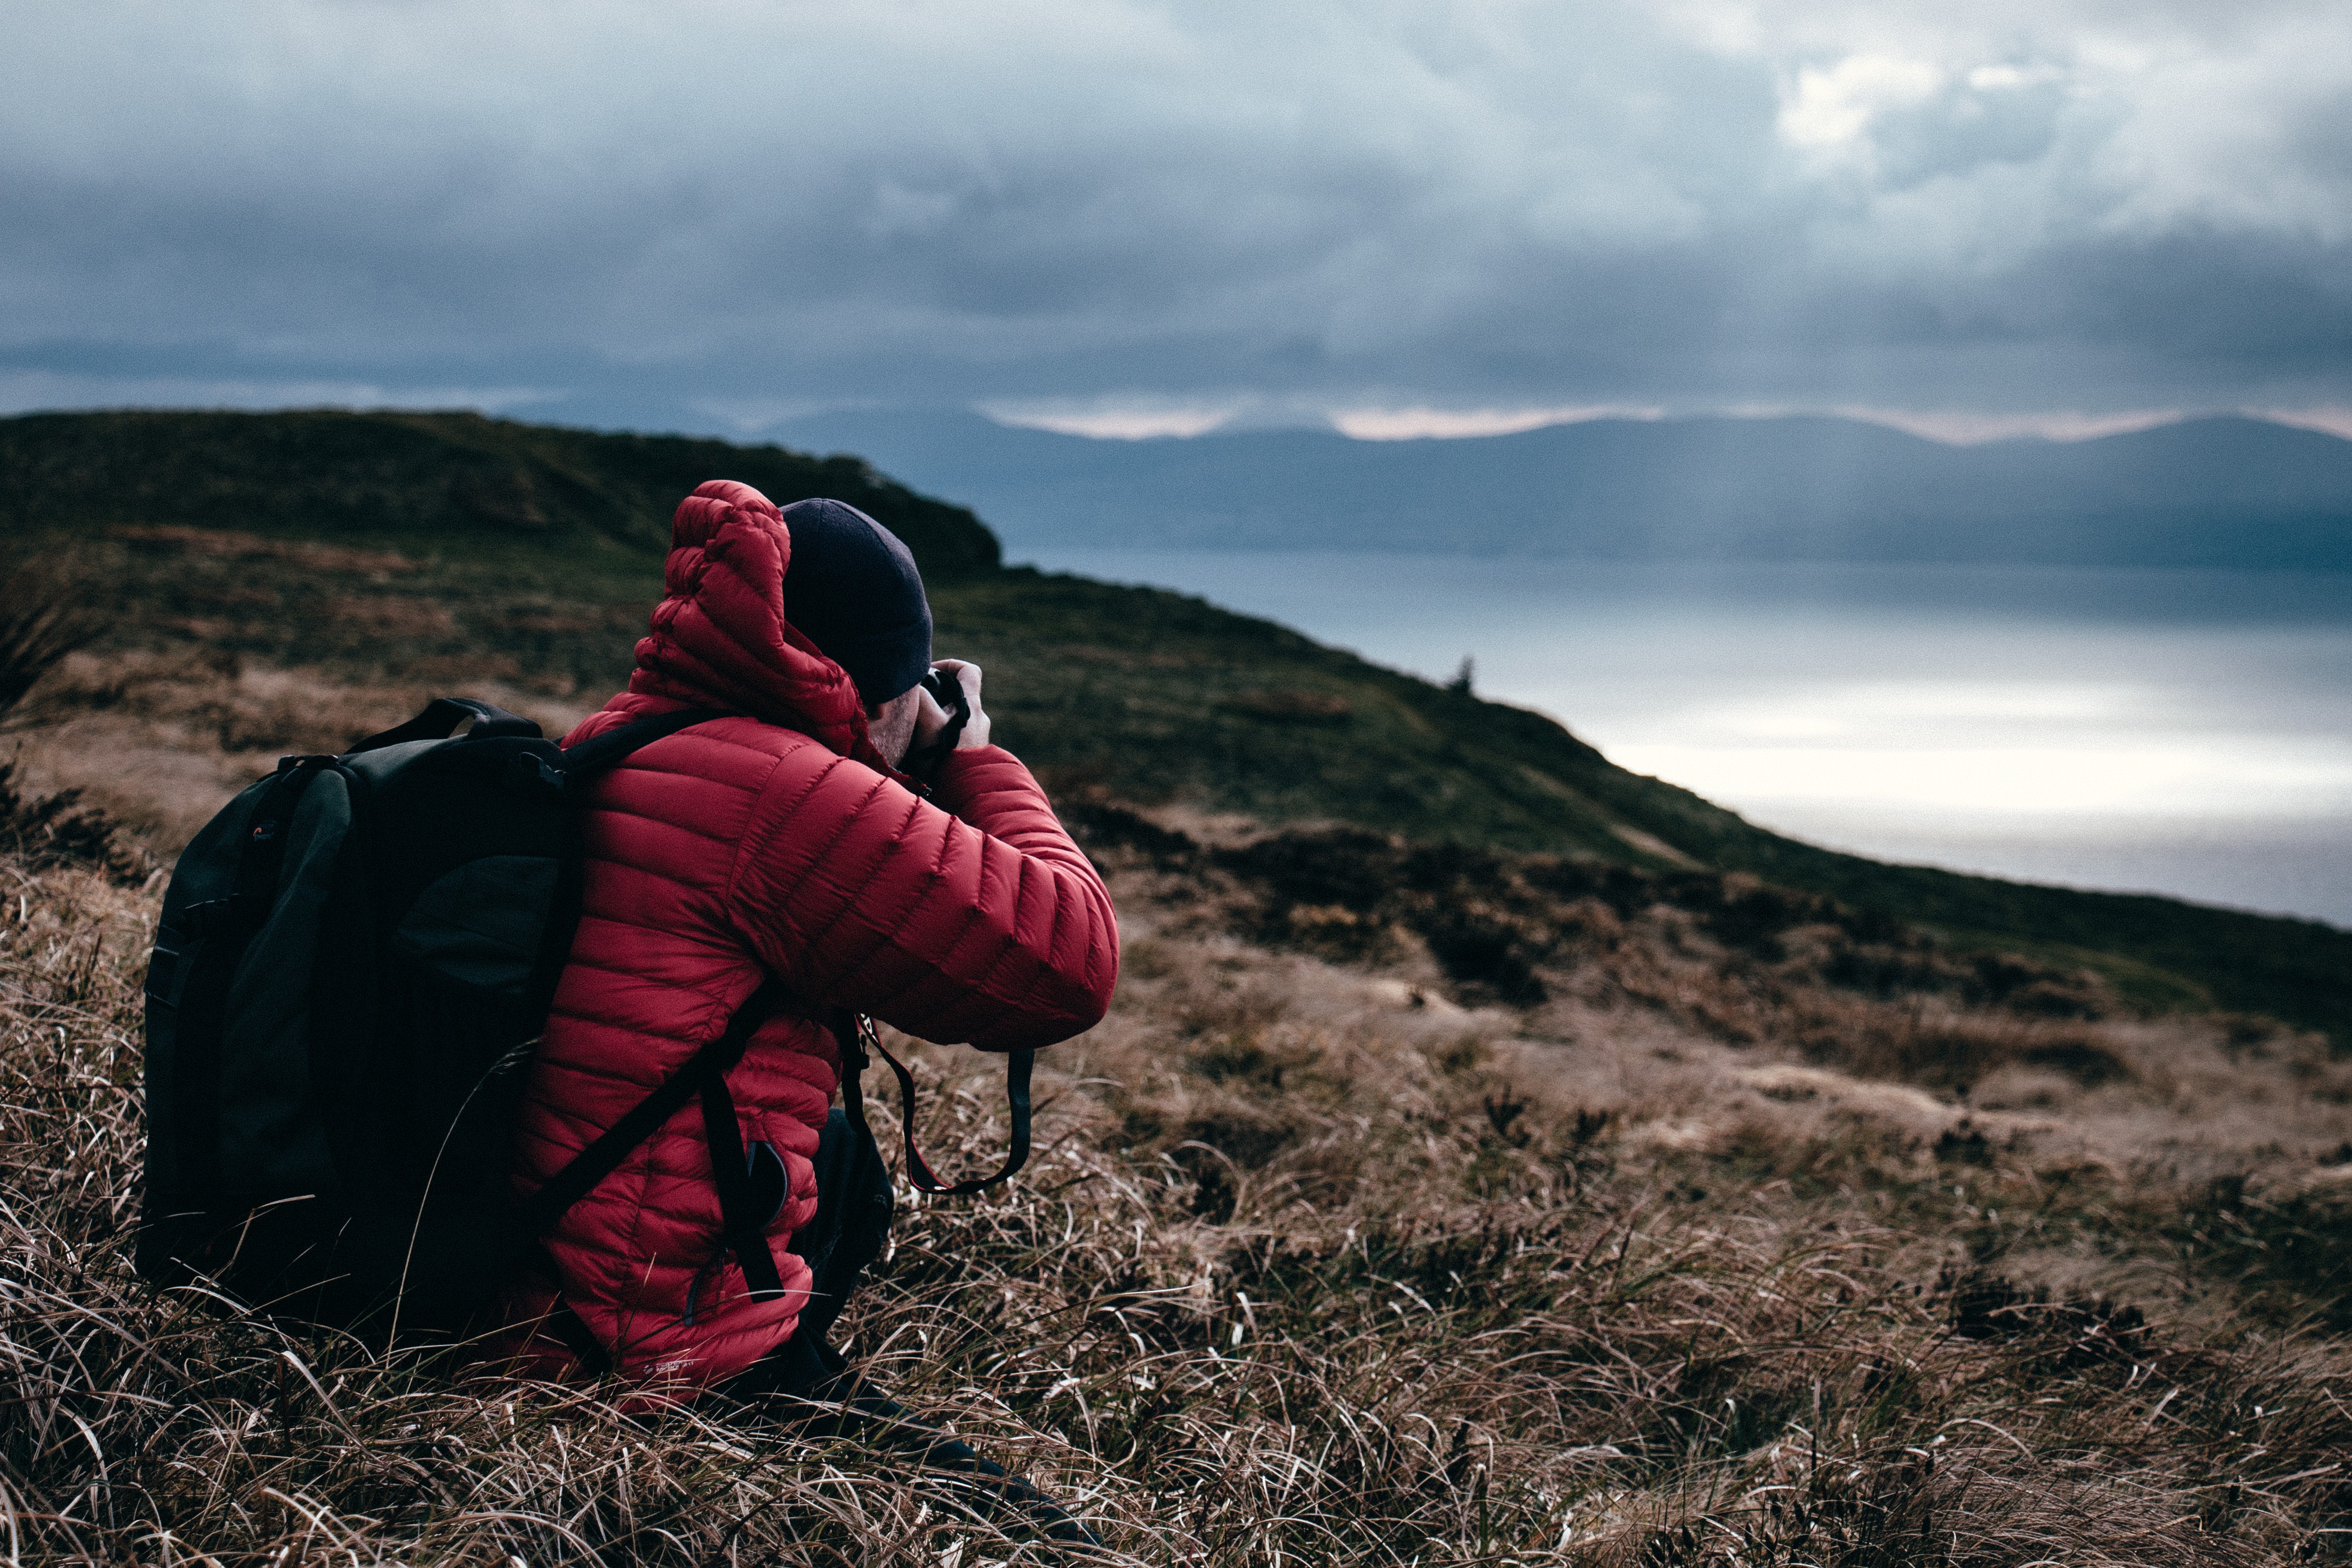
2174, 732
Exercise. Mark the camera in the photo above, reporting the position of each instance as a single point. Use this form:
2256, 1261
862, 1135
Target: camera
947, 691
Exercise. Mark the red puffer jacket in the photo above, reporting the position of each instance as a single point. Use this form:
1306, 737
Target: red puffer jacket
774, 844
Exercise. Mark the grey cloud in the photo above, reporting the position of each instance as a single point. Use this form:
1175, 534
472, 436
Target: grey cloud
739, 200
1966, 128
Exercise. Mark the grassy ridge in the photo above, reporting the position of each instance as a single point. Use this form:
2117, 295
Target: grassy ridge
1152, 696
448, 481
442, 548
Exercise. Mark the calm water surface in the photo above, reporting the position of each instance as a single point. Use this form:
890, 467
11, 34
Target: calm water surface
2184, 732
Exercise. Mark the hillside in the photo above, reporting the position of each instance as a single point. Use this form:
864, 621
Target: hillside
425, 481
1722, 1230
374, 568
1540, 1188
2210, 492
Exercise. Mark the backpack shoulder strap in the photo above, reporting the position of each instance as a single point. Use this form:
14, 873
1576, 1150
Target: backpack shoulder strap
559, 771
610, 748
440, 720
601, 1159
704, 1073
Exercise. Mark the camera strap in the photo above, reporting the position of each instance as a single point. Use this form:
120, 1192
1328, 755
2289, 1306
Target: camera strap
862, 1038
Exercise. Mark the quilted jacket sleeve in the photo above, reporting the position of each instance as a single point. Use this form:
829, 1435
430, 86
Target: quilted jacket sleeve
971, 919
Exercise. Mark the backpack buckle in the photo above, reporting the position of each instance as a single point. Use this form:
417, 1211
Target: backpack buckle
528, 772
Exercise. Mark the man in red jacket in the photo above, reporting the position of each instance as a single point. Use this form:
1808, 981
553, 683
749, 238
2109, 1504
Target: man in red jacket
782, 847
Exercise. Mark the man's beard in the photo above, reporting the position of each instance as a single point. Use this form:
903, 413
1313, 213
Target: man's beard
892, 728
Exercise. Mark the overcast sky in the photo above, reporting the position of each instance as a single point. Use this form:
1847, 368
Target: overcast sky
2056, 215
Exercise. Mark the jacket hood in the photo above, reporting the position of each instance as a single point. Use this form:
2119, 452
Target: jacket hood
720, 638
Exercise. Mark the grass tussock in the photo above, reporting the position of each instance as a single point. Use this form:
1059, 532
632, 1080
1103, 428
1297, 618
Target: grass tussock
1322, 1264
44, 615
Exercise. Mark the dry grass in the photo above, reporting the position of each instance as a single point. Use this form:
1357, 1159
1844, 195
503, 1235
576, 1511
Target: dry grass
1413, 1206
1320, 1265
46, 614
159, 741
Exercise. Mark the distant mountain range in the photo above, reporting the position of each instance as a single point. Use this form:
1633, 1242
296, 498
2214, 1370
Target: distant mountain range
2205, 492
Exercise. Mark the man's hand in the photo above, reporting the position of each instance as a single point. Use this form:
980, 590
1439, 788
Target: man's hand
931, 719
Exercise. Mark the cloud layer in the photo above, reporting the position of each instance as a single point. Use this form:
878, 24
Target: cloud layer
1087, 208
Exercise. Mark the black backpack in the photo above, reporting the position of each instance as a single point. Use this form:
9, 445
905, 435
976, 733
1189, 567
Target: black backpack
355, 959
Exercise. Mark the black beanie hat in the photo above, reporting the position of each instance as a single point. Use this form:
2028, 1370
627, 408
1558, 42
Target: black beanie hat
852, 589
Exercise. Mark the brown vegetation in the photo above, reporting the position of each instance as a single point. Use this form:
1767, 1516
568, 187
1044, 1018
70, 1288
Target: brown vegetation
1415, 1205
45, 615
159, 740
1729, 1227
